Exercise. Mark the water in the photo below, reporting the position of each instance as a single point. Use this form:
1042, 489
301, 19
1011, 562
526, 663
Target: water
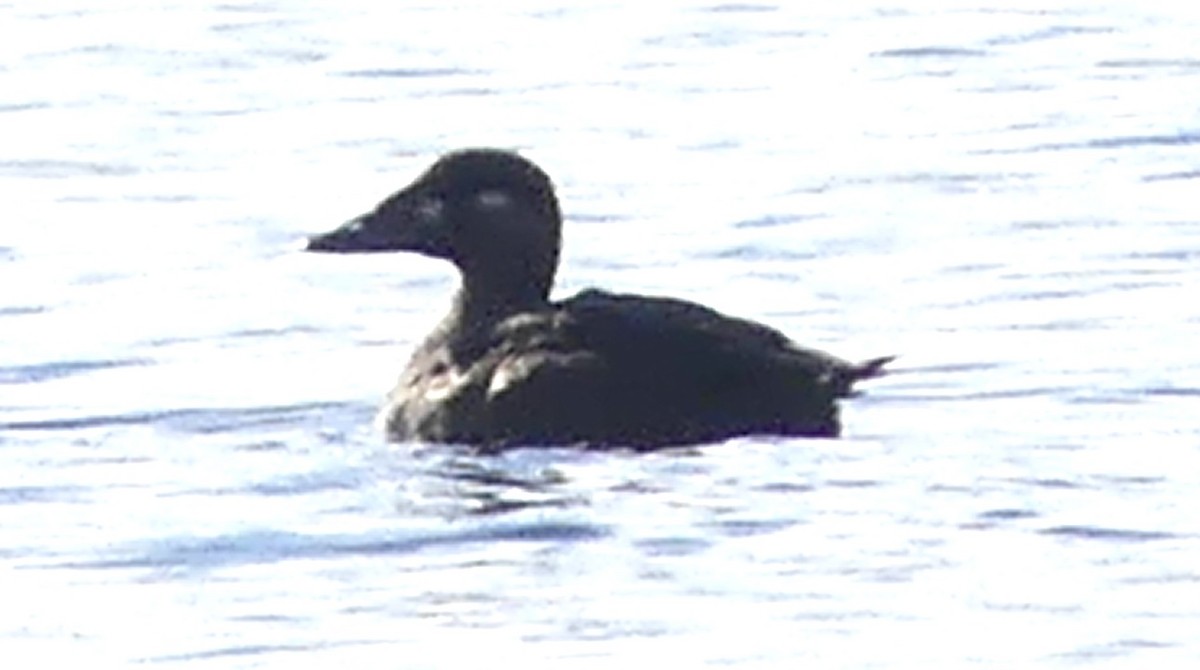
1003, 194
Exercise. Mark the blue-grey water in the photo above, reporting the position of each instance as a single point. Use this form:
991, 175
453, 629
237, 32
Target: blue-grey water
1004, 193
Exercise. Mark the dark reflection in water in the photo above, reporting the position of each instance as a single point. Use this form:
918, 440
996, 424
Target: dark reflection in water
489, 486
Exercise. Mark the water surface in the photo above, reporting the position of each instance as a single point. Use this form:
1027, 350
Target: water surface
1002, 194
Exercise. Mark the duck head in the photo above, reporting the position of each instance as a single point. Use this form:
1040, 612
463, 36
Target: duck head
490, 212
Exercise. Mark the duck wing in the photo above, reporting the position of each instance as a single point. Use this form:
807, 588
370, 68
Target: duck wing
679, 329
644, 372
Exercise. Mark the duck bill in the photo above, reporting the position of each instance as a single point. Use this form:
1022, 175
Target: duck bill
357, 235
401, 223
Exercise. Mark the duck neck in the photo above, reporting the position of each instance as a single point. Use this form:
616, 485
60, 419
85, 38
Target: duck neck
481, 302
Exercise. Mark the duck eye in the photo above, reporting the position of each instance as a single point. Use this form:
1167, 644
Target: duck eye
493, 199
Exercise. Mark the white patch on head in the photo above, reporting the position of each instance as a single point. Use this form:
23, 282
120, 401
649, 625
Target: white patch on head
493, 199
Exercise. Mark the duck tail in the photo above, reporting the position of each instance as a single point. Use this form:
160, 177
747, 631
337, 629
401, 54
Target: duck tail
871, 368
849, 374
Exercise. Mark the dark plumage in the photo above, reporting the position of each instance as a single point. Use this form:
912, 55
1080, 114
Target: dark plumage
508, 367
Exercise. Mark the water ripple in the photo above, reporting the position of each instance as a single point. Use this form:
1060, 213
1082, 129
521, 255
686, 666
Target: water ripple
192, 420
1109, 534
931, 51
410, 73
40, 372
253, 547
62, 169
1182, 138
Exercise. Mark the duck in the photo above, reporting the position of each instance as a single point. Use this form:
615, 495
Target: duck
509, 367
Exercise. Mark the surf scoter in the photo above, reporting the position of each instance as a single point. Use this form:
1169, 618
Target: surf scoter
509, 367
